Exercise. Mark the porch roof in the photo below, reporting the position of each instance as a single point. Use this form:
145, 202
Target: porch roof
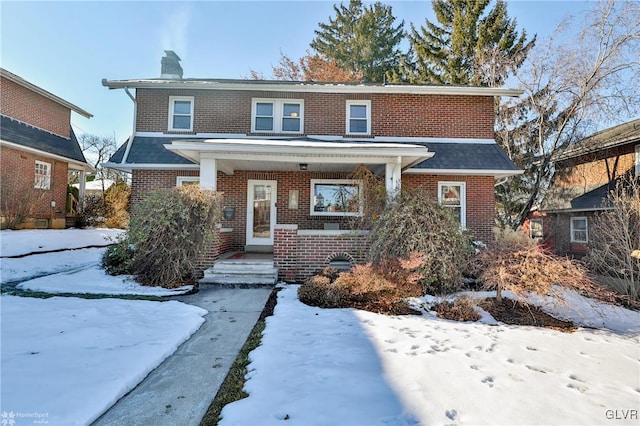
287, 154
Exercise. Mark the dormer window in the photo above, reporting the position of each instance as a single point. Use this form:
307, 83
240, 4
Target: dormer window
181, 113
358, 117
277, 115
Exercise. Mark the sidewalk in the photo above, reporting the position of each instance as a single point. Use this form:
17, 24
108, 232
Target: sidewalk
180, 390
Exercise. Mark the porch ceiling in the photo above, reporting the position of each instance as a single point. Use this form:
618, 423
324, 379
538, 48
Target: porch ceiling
287, 155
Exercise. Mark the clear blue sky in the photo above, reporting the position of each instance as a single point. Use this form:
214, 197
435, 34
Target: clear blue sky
68, 47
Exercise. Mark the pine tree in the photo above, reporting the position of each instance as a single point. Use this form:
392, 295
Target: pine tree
361, 39
467, 45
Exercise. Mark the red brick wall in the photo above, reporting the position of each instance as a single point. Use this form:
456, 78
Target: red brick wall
325, 113
34, 109
300, 256
18, 176
480, 199
212, 251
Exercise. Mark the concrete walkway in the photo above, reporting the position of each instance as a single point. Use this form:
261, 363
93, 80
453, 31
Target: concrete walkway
180, 390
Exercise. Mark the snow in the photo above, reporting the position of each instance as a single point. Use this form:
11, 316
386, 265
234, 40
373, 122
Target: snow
13, 243
351, 367
67, 360
74, 271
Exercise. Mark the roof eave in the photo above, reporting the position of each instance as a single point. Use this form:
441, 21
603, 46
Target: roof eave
309, 87
467, 172
24, 83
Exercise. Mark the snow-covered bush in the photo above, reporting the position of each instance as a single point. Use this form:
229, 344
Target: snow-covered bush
414, 223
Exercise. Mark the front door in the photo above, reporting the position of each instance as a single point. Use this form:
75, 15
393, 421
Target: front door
261, 211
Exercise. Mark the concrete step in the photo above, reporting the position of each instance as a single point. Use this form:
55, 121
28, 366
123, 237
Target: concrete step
244, 268
239, 280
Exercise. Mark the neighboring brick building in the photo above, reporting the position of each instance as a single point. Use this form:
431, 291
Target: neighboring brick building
585, 174
37, 150
285, 149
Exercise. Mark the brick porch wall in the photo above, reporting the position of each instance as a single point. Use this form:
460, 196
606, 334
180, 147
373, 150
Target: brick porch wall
299, 254
212, 251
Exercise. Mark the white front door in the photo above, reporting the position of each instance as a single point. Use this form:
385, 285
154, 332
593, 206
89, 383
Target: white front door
261, 211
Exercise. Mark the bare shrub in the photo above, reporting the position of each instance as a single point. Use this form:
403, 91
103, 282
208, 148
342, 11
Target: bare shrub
511, 266
364, 287
615, 234
116, 200
93, 211
168, 230
374, 197
19, 200
461, 309
414, 222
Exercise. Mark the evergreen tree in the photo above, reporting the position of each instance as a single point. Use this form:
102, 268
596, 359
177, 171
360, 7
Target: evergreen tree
467, 45
361, 39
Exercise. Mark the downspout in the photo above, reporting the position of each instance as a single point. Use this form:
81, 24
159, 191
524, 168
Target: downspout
133, 130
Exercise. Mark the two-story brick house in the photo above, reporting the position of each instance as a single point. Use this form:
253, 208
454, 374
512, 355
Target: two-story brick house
585, 173
281, 153
38, 148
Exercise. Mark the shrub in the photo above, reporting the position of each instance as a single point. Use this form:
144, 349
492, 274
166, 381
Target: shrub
169, 230
364, 287
116, 200
118, 258
614, 235
414, 222
512, 266
461, 309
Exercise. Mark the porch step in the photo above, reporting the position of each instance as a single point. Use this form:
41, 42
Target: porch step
241, 272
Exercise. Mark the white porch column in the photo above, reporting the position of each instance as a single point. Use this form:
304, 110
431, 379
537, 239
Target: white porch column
208, 174
393, 177
82, 183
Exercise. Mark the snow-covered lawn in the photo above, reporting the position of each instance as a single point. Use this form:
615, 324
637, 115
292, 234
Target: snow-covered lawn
67, 360
350, 367
13, 243
72, 271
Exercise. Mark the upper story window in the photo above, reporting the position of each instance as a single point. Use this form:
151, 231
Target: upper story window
336, 197
181, 113
358, 117
452, 195
277, 115
43, 175
579, 230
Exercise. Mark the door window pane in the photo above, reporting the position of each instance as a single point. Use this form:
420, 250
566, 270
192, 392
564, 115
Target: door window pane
262, 211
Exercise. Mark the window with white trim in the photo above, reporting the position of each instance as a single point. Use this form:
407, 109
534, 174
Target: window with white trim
358, 117
277, 115
187, 180
43, 175
181, 113
336, 197
452, 195
637, 159
579, 230
536, 228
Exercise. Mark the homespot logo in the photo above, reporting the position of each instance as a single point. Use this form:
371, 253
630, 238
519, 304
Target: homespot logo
11, 418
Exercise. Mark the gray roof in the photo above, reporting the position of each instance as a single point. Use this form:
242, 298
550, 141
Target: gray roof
31, 137
448, 156
467, 156
599, 197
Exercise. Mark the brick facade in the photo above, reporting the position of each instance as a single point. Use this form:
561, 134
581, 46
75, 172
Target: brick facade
29, 107
405, 115
299, 254
17, 187
480, 199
